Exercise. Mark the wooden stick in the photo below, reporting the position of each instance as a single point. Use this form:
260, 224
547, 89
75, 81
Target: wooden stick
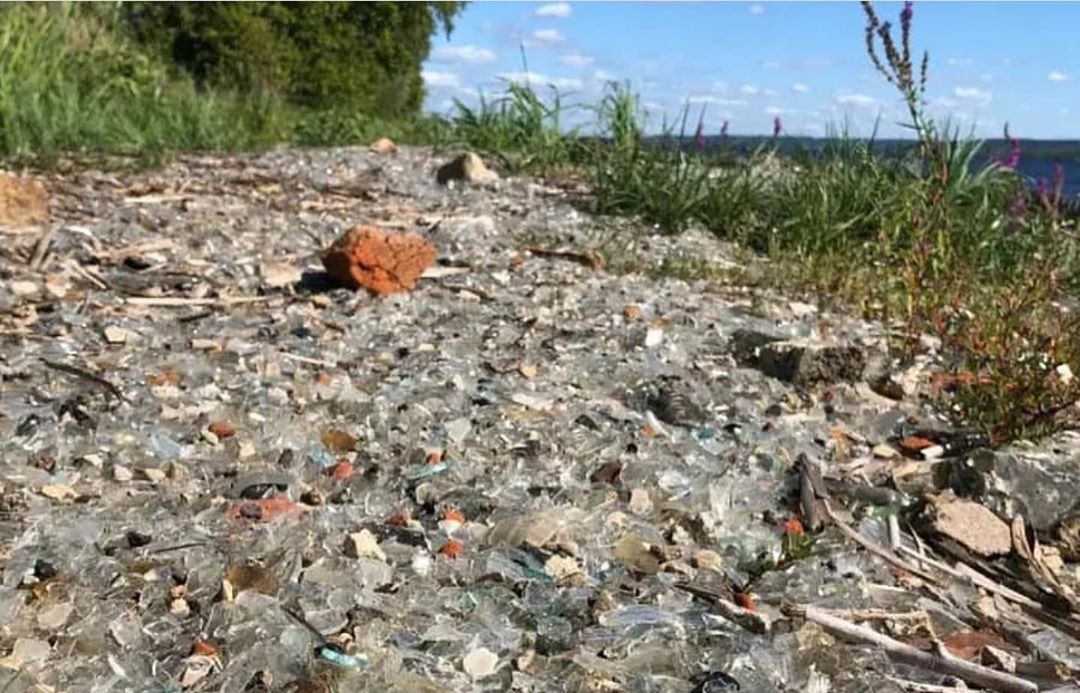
873, 548
750, 620
86, 375
917, 687
968, 671
41, 249
181, 301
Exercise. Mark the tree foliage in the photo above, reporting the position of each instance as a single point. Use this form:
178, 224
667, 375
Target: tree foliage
326, 55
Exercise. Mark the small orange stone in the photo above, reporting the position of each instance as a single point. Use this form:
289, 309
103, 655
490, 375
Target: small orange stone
202, 648
453, 548
632, 312
401, 518
794, 528
167, 376
263, 510
915, 443
434, 457
454, 515
222, 429
341, 471
746, 601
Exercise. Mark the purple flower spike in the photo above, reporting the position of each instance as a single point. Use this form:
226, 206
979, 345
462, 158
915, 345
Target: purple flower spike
724, 127
699, 136
906, 14
776, 126
1013, 159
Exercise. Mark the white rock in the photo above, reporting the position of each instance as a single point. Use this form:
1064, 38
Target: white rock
421, 564
480, 663
153, 474
23, 288
118, 335
278, 274
883, 451
122, 473
55, 616
560, 567
363, 544
640, 504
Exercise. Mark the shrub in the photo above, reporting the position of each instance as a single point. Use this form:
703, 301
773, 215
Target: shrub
359, 55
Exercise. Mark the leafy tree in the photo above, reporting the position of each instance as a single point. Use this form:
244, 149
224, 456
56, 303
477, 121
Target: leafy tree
364, 56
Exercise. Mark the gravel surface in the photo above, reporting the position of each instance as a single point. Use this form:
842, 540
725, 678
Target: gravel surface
219, 472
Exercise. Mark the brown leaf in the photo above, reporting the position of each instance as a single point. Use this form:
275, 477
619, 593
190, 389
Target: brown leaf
607, 473
338, 442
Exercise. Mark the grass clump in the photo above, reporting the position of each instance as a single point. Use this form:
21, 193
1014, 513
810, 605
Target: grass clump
70, 84
520, 129
74, 79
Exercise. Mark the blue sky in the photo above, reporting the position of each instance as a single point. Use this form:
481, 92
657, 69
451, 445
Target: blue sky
747, 62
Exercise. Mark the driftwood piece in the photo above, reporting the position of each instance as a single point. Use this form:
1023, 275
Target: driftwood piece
940, 661
752, 621
812, 493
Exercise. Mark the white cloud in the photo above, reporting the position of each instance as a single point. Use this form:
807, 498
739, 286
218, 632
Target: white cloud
537, 79
857, 100
1056, 76
719, 87
575, 59
960, 62
772, 64
434, 78
603, 76
748, 89
773, 110
556, 9
567, 83
472, 55
973, 94
801, 88
548, 36
769, 92
757, 9
716, 101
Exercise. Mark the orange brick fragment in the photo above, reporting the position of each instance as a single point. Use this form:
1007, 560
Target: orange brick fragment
23, 202
222, 429
401, 518
365, 257
341, 471
746, 601
454, 515
203, 648
793, 527
452, 548
263, 510
913, 444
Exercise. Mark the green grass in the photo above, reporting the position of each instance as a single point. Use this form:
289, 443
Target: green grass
71, 84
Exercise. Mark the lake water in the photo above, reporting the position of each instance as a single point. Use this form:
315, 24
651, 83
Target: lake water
1036, 170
